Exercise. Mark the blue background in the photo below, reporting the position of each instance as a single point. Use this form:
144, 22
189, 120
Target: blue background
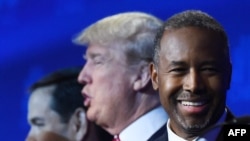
35, 39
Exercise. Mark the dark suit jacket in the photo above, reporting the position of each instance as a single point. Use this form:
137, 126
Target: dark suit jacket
162, 135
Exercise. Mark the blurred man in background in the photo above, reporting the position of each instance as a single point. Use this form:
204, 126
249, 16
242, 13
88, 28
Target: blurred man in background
56, 111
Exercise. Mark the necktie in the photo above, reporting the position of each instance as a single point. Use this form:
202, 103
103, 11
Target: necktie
116, 138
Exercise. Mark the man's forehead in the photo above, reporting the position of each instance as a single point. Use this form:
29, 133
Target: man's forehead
44, 92
103, 51
40, 99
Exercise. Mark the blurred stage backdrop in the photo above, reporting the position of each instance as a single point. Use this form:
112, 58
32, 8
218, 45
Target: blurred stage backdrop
35, 39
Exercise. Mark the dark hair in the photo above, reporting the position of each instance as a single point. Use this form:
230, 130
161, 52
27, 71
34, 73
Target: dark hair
191, 18
66, 97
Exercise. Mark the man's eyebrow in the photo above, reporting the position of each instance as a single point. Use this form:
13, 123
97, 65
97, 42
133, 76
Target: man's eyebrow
91, 55
212, 62
181, 63
177, 63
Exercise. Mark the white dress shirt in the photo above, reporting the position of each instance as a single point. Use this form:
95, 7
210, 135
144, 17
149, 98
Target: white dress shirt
210, 136
145, 126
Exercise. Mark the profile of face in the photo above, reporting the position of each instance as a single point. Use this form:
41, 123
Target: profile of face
43, 119
109, 85
192, 77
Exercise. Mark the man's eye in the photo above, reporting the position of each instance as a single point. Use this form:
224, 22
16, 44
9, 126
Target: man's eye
178, 70
38, 122
97, 61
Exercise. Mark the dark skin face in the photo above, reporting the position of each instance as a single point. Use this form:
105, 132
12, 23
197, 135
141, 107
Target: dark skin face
192, 77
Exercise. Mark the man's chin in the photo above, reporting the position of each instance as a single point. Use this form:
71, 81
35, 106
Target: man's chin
91, 116
195, 128
192, 125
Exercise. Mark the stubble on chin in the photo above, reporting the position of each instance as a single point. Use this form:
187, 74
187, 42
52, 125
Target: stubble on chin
191, 129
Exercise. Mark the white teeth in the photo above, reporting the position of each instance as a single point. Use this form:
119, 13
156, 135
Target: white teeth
188, 103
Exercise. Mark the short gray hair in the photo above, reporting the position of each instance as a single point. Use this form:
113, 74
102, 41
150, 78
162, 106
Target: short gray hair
195, 18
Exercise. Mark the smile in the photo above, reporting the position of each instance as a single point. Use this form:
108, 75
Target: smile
189, 103
193, 107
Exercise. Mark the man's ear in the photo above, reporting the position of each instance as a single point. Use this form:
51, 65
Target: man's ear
80, 123
154, 75
143, 77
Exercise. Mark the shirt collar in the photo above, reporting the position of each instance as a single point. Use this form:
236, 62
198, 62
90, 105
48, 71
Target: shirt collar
145, 126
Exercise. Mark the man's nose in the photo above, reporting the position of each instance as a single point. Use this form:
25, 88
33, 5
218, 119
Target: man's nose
84, 76
193, 82
30, 136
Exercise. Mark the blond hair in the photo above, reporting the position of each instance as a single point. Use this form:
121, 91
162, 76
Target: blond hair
132, 31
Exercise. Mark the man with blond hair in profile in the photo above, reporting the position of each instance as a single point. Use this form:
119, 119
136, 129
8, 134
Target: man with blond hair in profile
118, 91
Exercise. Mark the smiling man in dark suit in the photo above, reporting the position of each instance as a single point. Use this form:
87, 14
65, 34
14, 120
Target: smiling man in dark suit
192, 71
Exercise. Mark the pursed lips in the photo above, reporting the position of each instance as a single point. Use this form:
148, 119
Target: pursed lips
85, 93
87, 98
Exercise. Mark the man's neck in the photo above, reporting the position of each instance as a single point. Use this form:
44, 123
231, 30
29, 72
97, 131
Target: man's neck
146, 103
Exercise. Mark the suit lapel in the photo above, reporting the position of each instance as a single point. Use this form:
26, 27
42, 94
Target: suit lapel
229, 117
160, 135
